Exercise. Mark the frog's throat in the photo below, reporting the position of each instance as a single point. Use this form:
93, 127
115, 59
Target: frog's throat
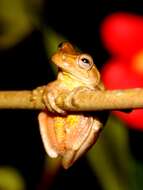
71, 77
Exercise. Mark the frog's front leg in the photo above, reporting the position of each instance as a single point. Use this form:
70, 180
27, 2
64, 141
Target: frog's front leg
49, 96
69, 99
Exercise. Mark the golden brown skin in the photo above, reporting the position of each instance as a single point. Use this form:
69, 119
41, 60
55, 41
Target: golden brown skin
63, 134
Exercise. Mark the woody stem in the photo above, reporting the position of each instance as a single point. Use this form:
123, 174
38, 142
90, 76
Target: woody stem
87, 100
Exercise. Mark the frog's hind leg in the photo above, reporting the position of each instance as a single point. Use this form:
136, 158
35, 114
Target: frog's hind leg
87, 133
46, 124
91, 138
78, 129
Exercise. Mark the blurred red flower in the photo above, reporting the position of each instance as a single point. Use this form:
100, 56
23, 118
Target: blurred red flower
122, 35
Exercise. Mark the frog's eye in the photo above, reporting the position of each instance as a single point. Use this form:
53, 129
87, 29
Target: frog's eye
85, 61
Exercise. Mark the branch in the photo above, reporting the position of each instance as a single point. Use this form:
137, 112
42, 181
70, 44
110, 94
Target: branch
88, 100
103, 100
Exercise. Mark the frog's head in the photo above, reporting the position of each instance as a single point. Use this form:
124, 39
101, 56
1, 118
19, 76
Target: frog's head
75, 64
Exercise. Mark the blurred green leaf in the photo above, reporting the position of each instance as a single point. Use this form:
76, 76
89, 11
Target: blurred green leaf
137, 175
10, 179
110, 156
14, 22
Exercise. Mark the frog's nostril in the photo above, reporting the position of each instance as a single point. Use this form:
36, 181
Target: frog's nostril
60, 45
66, 47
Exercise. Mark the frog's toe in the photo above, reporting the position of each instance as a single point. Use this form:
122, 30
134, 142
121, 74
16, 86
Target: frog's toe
49, 100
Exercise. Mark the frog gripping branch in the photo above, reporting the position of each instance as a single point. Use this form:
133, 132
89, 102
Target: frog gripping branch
69, 135
70, 122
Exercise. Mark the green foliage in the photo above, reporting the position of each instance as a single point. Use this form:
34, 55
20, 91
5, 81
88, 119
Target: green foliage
10, 179
110, 157
14, 22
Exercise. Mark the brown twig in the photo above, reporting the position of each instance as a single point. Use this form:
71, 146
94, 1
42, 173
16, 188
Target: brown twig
88, 100
103, 100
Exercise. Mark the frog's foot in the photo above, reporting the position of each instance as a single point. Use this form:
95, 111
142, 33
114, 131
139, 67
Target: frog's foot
49, 100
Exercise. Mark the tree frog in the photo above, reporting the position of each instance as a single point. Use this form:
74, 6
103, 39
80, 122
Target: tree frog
64, 134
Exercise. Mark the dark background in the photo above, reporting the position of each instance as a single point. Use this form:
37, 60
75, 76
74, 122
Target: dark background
20, 142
